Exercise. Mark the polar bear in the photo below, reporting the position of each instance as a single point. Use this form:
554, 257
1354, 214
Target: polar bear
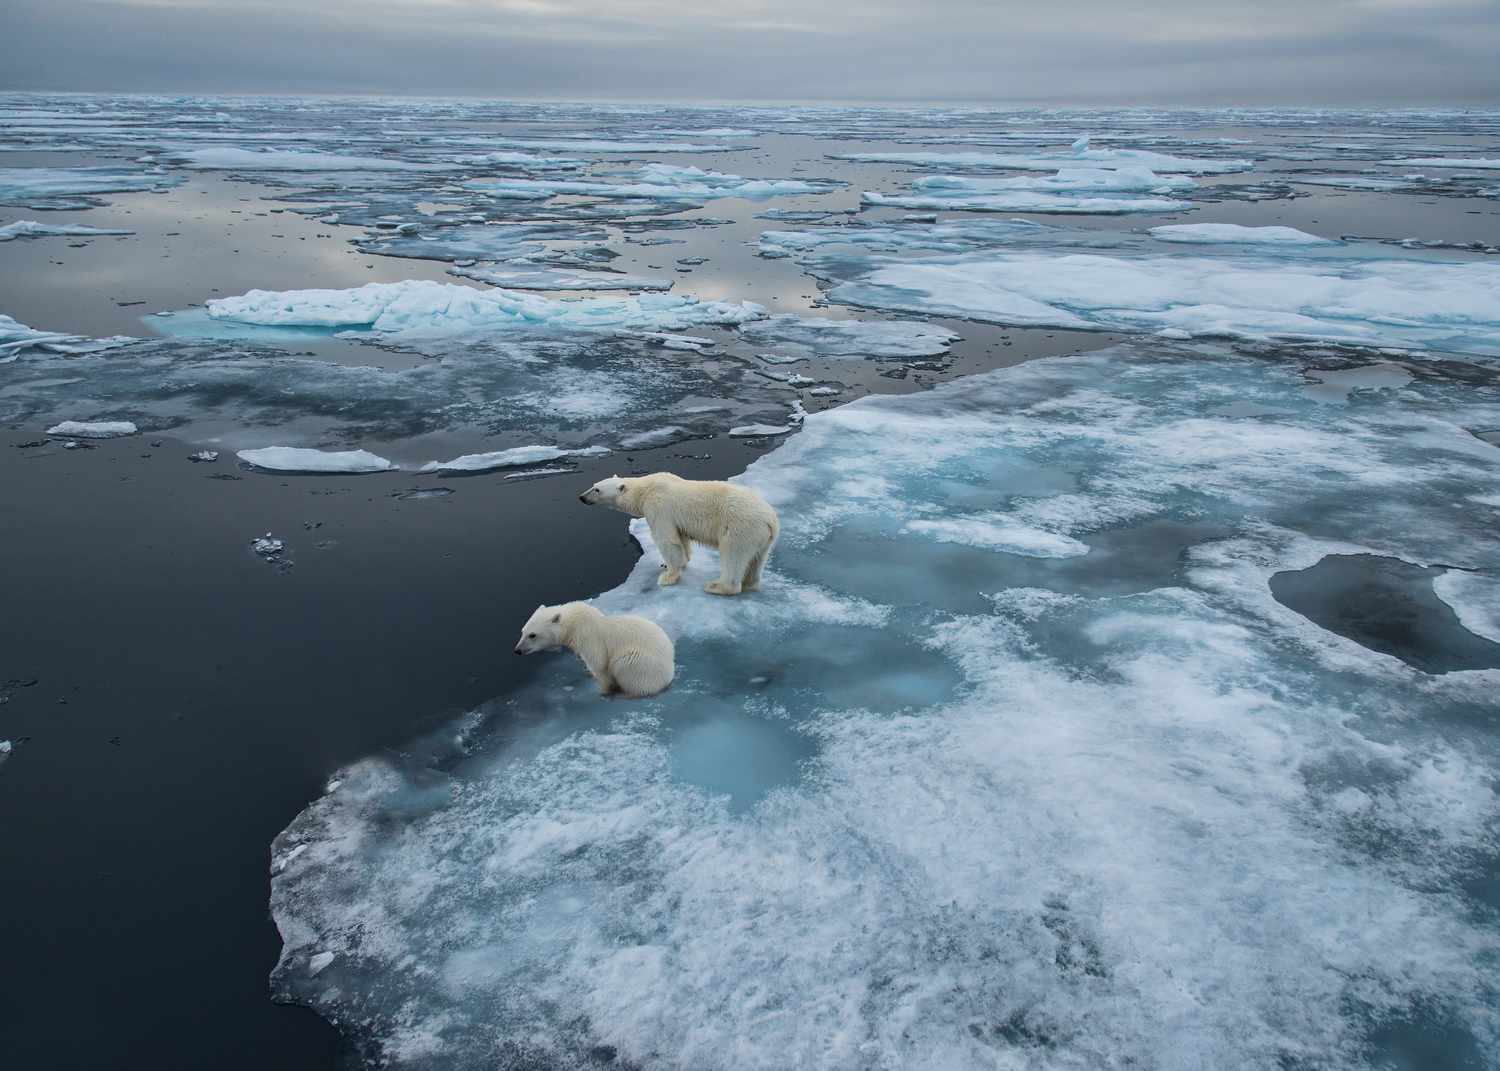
735, 519
623, 652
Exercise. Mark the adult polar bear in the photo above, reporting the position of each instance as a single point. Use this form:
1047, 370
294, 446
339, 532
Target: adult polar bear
734, 519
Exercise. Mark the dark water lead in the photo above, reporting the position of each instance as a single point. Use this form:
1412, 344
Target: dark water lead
1387, 605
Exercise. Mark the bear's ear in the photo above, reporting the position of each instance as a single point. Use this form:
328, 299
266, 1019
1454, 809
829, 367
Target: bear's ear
557, 618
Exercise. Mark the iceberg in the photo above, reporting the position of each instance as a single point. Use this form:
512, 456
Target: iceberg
75, 187
418, 306
505, 459
1234, 233
299, 460
799, 337
98, 429
30, 228
1438, 305
922, 803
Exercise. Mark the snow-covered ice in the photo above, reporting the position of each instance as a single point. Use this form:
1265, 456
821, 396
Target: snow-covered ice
505, 459
417, 306
1442, 305
1234, 233
93, 429
30, 228
1115, 808
301, 460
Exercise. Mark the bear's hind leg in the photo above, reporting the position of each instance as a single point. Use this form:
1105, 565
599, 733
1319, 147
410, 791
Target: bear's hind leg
752, 571
733, 562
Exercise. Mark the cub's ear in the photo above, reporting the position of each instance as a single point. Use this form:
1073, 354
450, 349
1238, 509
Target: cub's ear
557, 619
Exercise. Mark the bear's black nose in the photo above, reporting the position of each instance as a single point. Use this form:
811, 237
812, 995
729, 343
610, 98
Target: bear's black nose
584, 498
518, 650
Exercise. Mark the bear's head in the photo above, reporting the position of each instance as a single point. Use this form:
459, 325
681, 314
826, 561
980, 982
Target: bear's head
543, 630
606, 493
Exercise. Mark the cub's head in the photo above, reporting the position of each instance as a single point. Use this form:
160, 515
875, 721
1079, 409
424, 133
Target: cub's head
606, 493
542, 631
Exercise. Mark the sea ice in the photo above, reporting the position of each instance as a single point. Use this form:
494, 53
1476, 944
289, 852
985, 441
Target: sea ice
797, 337
919, 803
597, 145
30, 228
1104, 159
1021, 201
1441, 305
418, 306
560, 279
223, 158
505, 459
97, 429
298, 460
1234, 233
1476, 163
64, 187
746, 431
656, 181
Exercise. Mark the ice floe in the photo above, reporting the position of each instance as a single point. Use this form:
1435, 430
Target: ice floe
1470, 163
30, 228
223, 158
560, 279
1234, 233
656, 181
300, 460
505, 459
418, 306
797, 337
76, 187
928, 803
93, 429
1102, 159
1442, 305
16, 338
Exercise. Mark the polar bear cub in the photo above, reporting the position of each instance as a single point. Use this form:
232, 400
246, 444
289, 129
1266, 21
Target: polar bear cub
734, 519
623, 653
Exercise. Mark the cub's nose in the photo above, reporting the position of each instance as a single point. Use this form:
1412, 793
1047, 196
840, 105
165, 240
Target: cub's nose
584, 498
518, 649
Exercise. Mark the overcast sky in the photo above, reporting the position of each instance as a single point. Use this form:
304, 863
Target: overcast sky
1048, 51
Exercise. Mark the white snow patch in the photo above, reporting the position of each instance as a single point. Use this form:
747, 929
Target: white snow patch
301, 460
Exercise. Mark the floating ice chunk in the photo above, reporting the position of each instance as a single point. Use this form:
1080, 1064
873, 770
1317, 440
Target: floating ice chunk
299, 460
204, 457
798, 337
318, 963
30, 228
560, 279
1439, 305
16, 338
225, 158
1475, 163
1474, 598
1098, 158
1067, 180
1234, 233
504, 459
59, 187
746, 431
504, 241
421, 307
1379, 183
267, 546
1081, 145
5, 750
99, 429
663, 436
825, 392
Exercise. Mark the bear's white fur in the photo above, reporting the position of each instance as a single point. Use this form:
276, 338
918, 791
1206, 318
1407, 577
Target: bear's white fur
623, 652
733, 519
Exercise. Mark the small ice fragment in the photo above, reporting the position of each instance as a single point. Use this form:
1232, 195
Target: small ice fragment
1081, 145
267, 546
824, 392
204, 456
101, 429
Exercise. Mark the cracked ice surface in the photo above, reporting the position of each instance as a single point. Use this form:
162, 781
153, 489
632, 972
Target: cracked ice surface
1111, 808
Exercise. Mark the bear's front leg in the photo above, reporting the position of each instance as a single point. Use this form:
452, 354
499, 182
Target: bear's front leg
606, 683
674, 560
